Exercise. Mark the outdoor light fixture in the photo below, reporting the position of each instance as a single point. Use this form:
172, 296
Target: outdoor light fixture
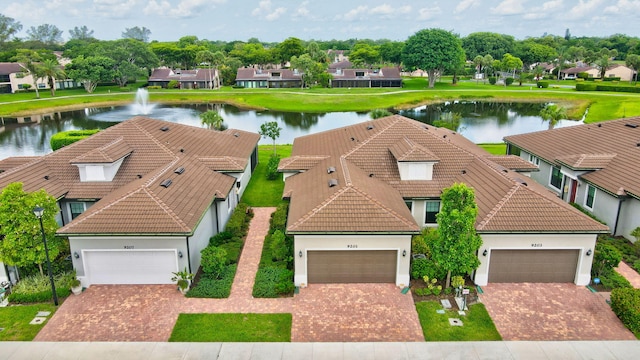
180, 254
238, 184
300, 253
485, 252
404, 253
589, 252
76, 255
38, 211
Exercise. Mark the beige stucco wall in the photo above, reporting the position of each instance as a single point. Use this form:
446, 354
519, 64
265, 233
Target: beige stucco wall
581, 242
623, 72
306, 243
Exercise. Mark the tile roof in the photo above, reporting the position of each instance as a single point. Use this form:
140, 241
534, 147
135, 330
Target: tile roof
10, 68
611, 148
408, 151
369, 187
513, 162
165, 74
109, 153
134, 202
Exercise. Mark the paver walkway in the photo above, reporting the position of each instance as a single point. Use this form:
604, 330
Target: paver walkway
557, 312
629, 274
344, 312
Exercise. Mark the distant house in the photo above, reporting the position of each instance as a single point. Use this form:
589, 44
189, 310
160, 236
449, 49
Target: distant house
14, 77
352, 78
187, 79
596, 166
340, 65
614, 71
140, 200
572, 73
359, 193
268, 78
337, 56
620, 71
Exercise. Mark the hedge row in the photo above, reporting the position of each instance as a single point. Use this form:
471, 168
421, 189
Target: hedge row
607, 87
625, 303
65, 138
211, 287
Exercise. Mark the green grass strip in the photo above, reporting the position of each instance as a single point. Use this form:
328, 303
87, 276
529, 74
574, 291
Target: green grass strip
232, 328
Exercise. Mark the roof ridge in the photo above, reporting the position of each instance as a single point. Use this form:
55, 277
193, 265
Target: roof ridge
345, 171
498, 206
166, 209
321, 206
369, 139
381, 205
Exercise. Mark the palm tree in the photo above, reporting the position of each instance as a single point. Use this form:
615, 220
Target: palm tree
28, 60
553, 113
50, 69
537, 72
379, 113
212, 119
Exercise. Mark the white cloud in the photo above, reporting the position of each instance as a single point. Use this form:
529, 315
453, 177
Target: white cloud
184, 8
302, 10
548, 9
585, 8
623, 7
117, 8
388, 10
509, 7
429, 13
465, 4
265, 9
354, 13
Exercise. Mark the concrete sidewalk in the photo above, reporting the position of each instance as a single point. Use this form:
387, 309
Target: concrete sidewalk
616, 350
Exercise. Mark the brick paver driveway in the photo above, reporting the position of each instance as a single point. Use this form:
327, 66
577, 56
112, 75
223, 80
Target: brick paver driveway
345, 312
551, 312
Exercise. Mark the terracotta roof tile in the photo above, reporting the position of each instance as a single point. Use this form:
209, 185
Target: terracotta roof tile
513, 162
407, 150
586, 161
108, 153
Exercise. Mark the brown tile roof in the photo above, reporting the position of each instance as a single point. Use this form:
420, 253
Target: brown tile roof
361, 153
406, 150
134, 202
611, 146
299, 162
9, 163
513, 162
348, 74
267, 74
164, 74
10, 68
109, 153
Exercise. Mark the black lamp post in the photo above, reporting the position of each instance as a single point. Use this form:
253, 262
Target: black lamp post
38, 211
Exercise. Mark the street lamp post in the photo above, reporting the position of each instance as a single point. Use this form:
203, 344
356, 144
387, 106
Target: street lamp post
38, 211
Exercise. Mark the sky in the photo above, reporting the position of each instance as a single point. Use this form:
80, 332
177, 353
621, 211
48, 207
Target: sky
276, 20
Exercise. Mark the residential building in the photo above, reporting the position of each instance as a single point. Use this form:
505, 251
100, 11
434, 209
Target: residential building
14, 77
596, 166
359, 193
371, 78
140, 200
268, 78
620, 71
572, 73
186, 79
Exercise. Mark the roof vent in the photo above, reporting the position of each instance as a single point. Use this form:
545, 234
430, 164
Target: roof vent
371, 175
164, 128
638, 144
599, 125
236, 134
370, 127
139, 176
166, 183
633, 126
520, 181
353, 139
331, 169
46, 177
181, 150
464, 172
444, 136
333, 182
179, 170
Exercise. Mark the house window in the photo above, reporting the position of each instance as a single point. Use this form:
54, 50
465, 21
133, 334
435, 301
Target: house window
432, 209
556, 178
409, 205
534, 159
359, 73
76, 208
591, 196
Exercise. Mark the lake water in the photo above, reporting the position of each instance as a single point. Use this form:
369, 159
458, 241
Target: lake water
481, 122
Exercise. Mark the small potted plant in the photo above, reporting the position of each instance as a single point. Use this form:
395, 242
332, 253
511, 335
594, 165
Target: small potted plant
75, 285
183, 280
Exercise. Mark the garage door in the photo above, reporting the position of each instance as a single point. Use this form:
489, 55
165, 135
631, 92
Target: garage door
130, 267
541, 266
357, 266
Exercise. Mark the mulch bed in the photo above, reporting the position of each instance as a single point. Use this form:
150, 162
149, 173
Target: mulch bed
472, 298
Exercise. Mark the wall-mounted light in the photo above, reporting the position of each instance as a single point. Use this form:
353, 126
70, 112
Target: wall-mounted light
76, 255
404, 253
589, 252
180, 254
300, 253
238, 184
485, 252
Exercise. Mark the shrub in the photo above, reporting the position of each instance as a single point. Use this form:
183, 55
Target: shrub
279, 250
233, 249
272, 167
636, 234
542, 84
425, 267
65, 138
173, 84
279, 218
611, 79
636, 265
154, 87
605, 259
492, 80
238, 222
419, 245
583, 75
272, 282
613, 280
209, 286
37, 288
625, 303
220, 238
508, 81
213, 260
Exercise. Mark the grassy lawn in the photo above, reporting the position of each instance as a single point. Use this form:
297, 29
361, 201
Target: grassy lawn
495, 149
232, 328
477, 324
262, 192
15, 321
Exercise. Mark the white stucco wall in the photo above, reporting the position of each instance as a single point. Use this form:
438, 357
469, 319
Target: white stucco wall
306, 243
581, 242
200, 239
225, 208
629, 218
3, 273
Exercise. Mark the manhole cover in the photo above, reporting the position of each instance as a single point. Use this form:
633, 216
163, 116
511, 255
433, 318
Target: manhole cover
445, 303
455, 322
38, 320
43, 313
440, 311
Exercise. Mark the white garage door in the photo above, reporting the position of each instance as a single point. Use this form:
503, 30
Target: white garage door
130, 266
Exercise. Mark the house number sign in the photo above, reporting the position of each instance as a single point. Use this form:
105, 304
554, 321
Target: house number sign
536, 245
128, 247
352, 246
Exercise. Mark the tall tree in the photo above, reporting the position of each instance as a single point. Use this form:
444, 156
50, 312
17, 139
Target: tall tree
553, 113
604, 60
317, 54
132, 59
512, 64
20, 231
29, 60
82, 33
51, 70
289, 48
633, 61
308, 68
212, 119
137, 33
364, 54
8, 28
391, 52
46, 34
434, 51
91, 70
271, 130
483, 43
457, 245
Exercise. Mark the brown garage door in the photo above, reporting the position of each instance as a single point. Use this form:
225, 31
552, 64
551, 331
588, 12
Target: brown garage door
541, 266
356, 266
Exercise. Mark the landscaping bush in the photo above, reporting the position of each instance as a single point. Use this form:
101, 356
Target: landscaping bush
37, 288
425, 267
233, 249
154, 87
272, 167
213, 260
173, 84
628, 250
220, 238
278, 246
605, 259
636, 266
492, 80
419, 245
65, 138
617, 78
279, 218
542, 84
238, 223
209, 286
625, 303
508, 81
607, 87
582, 75
272, 282
613, 280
